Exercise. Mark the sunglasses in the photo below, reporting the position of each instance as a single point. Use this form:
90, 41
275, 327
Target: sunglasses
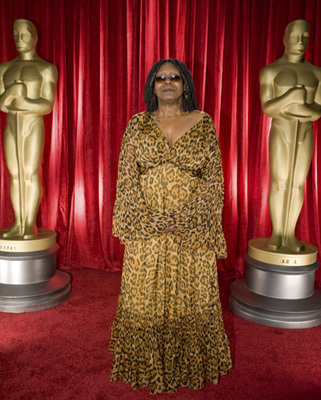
172, 78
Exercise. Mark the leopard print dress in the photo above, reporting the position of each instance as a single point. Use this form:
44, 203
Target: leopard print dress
168, 331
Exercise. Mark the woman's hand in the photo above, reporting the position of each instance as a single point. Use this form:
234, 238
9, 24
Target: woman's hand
169, 228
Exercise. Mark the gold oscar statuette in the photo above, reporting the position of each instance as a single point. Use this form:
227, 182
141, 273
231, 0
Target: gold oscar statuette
27, 93
290, 91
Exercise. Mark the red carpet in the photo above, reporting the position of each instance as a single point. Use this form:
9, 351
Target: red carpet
61, 353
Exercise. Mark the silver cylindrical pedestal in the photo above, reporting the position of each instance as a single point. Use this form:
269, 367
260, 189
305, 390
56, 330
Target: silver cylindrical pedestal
26, 268
280, 281
29, 281
279, 294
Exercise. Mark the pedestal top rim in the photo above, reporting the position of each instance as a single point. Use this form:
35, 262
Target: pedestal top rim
257, 249
45, 240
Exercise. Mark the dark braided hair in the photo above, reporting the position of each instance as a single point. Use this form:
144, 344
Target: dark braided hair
189, 96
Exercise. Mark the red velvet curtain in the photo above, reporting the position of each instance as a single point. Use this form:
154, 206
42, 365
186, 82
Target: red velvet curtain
103, 50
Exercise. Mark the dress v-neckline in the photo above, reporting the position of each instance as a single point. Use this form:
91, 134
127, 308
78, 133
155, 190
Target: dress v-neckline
184, 134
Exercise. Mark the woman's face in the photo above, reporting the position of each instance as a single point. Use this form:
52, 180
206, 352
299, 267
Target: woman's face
168, 84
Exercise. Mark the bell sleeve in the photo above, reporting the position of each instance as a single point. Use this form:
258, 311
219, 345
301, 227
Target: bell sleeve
132, 219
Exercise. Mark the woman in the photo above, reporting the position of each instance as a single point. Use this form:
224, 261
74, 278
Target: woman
168, 330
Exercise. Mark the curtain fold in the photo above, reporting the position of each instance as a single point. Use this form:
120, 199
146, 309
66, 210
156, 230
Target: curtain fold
103, 50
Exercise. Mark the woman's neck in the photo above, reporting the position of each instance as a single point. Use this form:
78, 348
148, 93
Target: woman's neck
169, 110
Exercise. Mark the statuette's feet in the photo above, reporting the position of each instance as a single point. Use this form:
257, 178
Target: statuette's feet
294, 244
30, 232
15, 230
274, 243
